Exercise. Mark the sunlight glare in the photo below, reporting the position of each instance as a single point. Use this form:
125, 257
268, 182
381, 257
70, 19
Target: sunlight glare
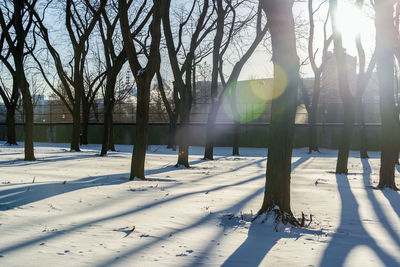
350, 21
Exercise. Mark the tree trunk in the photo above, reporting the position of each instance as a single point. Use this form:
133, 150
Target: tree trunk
345, 94
183, 156
236, 138
140, 142
362, 129
312, 119
28, 111
111, 145
106, 126
210, 131
172, 132
76, 122
385, 68
85, 122
11, 134
283, 110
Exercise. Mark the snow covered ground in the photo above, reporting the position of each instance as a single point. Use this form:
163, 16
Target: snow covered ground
79, 209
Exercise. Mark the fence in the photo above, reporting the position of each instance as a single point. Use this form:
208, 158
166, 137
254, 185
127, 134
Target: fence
55, 112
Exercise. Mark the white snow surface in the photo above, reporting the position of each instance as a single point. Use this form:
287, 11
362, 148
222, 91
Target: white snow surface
80, 209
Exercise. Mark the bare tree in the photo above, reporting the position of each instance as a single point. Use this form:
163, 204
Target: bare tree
172, 110
115, 58
345, 94
92, 84
80, 19
312, 104
143, 74
16, 22
182, 71
234, 26
283, 110
363, 78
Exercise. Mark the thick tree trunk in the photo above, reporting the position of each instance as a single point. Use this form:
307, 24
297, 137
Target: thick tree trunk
183, 152
236, 138
385, 68
283, 110
11, 133
140, 142
28, 111
344, 146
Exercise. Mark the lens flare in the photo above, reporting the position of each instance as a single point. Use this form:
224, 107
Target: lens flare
246, 101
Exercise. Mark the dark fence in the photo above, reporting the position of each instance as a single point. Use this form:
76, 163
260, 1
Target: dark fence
56, 112
252, 135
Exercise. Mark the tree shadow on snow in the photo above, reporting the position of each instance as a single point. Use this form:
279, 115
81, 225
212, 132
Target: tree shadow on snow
22, 195
53, 235
351, 232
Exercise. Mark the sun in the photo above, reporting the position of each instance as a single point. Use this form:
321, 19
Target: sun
350, 21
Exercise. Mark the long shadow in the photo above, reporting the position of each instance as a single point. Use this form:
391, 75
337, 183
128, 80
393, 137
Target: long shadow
351, 232
233, 209
260, 240
393, 197
21, 162
53, 235
376, 205
16, 197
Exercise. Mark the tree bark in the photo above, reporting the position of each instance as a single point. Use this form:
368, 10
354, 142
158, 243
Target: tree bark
362, 129
236, 138
183, 152
76, 122
312, 119
283, 110
111, 145
140, 142
11, 133
172, 132
28, 112
385, 36
85, 121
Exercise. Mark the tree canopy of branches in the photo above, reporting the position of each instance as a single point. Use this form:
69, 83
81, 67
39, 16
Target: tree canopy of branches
182, 70
81, 18
115, 57
229, 22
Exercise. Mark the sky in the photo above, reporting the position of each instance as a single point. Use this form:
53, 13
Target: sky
350, 22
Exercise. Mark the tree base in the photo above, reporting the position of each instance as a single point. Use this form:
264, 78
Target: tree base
311, 150
10, 144
140, 178
394, 187
278, 218
182, 165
